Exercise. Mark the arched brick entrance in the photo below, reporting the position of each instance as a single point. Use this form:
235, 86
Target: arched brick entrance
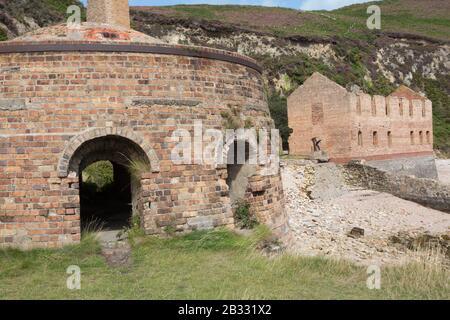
131, 158
75, 143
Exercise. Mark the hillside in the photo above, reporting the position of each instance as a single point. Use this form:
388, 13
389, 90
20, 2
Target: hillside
20, 16
412, 48
424, 18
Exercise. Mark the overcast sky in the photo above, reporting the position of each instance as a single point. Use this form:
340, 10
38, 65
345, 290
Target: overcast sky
296, 4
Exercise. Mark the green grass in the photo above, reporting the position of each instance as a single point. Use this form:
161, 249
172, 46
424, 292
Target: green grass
437, 92
3, 36
424, 18
205, 265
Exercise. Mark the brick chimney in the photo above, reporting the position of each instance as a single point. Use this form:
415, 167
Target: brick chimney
113, 12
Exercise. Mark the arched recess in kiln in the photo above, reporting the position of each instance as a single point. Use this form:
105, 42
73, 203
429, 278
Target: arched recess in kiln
118, 160
241, 159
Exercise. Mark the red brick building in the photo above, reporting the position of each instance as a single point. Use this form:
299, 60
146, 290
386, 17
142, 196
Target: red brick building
359, 126
71, 96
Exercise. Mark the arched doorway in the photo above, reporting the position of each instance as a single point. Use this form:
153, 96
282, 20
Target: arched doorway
109, 170
105, 196
239, 169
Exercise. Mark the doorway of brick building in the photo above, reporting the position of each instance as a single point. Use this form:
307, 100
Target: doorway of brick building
239, 169
105, 197
109, 170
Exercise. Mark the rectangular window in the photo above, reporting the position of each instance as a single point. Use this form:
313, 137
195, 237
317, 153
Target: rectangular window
358, 105
411, 137
389, 137
400, 106
411, 108
374, 107
360, 139
428, 137
420, 137
375, 138
388, 108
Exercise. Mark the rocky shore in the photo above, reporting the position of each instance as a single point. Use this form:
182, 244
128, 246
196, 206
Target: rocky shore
330, 218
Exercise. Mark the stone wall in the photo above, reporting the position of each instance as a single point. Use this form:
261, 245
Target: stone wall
427, 192
421, 167
54, 103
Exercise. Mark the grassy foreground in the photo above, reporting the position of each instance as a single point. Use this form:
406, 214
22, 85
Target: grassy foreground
206, 265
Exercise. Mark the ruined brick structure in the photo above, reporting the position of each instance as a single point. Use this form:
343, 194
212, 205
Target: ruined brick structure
73, 96
359, 126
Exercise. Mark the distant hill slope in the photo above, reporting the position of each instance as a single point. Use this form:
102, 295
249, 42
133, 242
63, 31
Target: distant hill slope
20, 16
428, 18
412, 48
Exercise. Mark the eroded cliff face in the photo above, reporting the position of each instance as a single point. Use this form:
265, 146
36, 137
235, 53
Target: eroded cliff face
399, 59
20, 16
395, 57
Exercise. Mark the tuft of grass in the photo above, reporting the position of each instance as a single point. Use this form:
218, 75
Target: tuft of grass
3, 36
231, 118
137, 168
243, 216
134, 231
170, 230
429, 265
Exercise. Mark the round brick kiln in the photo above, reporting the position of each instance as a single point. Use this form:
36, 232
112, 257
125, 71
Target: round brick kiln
72, 96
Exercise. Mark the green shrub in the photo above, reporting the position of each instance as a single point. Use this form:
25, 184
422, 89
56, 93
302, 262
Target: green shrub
278, 111
99, 176
3, 36
243, 217
170, 230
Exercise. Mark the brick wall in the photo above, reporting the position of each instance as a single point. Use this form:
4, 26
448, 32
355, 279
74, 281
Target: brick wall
317, 110
392, 125
358, 126
55, 102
